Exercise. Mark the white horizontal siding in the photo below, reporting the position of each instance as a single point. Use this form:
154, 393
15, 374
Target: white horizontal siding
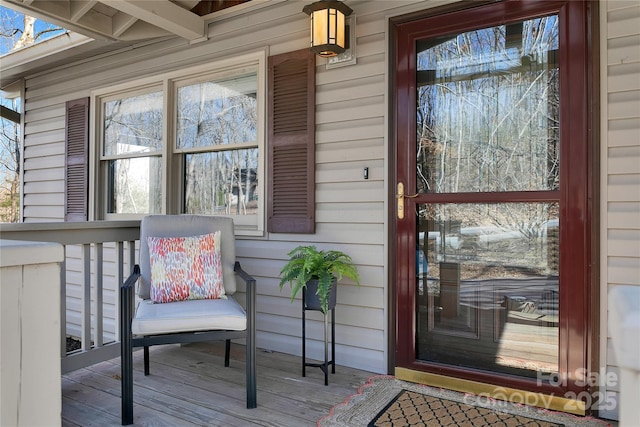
624, 105
43, 163
623, 270
623, 132
625, 187
624, 50
624, 243
624, 215
621, 162
624, 160
361, 212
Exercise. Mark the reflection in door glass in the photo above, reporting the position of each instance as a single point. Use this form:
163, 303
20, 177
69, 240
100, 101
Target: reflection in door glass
488, 109
487, 120
487, 286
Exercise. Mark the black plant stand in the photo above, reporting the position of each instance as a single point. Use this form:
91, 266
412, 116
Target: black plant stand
324, 366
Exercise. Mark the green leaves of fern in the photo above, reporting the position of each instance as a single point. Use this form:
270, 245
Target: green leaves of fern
307, 263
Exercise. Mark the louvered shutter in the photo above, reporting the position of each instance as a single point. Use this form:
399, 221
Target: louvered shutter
291, 143
76, 160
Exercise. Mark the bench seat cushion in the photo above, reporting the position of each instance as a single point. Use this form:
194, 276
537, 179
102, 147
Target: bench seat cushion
192, 315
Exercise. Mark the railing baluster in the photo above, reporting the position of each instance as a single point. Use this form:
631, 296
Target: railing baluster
99, 299
132, 254
63, 305
86, 297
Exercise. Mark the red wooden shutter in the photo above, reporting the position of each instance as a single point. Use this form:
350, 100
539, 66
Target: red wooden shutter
291, 143
76, 160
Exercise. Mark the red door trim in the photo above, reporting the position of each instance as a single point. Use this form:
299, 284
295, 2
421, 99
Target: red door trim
577, 299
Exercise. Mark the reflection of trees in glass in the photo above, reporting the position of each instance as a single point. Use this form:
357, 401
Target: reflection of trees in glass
222, 182
488, 121
217, 113
501, 234
133, 129
216, 135
135, 185
487, 117
133, 125
217, 126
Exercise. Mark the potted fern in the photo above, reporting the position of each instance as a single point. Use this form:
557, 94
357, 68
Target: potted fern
317, 273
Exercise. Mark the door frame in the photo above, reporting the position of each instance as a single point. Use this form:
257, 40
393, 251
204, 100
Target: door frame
576, 349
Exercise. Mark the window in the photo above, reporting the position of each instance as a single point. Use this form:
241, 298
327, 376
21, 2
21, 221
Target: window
186, 142
132, 144
217, 139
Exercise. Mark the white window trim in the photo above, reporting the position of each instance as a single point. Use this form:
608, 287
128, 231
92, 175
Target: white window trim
167, 82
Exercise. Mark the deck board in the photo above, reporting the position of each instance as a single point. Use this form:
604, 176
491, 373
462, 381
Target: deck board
189, 386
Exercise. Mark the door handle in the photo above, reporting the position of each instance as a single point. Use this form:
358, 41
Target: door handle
400, 196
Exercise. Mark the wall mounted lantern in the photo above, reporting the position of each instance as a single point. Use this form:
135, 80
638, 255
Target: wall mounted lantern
329, 33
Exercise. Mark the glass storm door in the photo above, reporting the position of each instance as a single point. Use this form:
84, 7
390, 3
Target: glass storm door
487, 232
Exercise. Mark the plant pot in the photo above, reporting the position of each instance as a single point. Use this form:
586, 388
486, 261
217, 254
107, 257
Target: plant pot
311, 300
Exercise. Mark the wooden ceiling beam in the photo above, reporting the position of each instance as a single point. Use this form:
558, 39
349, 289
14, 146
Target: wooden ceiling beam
90, 24
121, 22
77, 9
163, 14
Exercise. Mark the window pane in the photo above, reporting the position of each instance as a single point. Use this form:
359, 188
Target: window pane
222, 182
217, 112
133, 125
488, 287
135, 186
488, 109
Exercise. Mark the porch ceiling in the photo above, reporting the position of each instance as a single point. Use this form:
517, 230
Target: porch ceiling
98, 27
127, 20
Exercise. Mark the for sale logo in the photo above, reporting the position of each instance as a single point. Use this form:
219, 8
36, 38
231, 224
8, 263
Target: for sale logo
596, 400
583, 378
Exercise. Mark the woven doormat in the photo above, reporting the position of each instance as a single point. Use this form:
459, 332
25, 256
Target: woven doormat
385, 401
409, 408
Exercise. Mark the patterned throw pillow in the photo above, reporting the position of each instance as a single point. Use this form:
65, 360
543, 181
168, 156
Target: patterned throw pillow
185, 268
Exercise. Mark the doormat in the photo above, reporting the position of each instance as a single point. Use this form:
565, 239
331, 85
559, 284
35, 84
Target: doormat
385, 401
411, 408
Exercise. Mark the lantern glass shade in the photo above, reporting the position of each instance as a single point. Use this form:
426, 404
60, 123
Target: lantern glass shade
328, 27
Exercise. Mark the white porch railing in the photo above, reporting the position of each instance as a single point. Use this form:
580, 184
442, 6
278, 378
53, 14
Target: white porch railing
84, 264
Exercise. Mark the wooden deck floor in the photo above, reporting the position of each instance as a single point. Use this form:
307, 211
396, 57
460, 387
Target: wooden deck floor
189, 386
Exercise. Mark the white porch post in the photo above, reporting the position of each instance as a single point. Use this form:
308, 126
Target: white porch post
30, 377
